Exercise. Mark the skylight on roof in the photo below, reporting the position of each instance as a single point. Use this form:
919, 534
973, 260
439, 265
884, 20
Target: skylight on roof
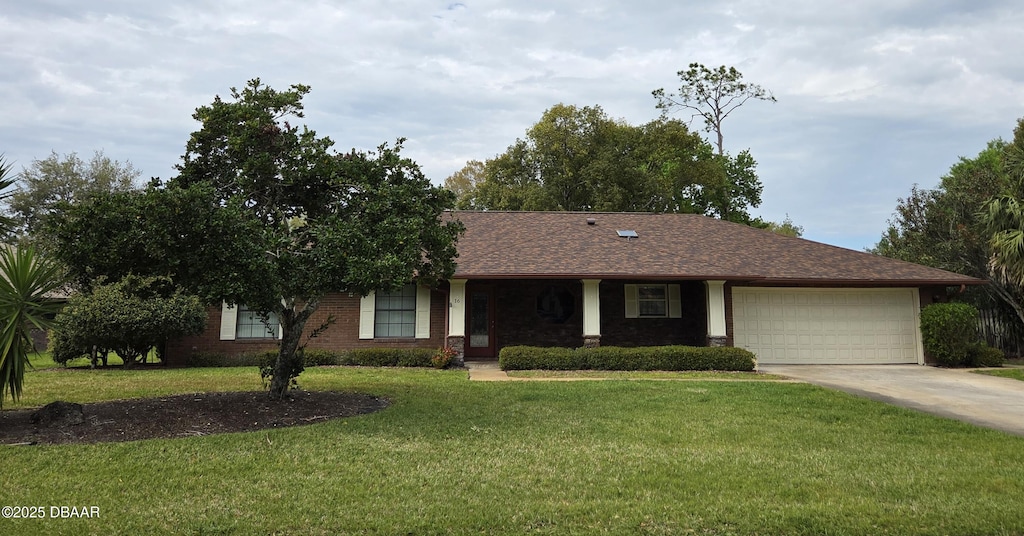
627, 234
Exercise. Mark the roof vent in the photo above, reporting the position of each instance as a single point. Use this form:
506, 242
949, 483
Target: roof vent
591, 221
627, 234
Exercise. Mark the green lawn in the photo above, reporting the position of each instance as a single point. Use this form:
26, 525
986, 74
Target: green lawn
1015, 373
454, 457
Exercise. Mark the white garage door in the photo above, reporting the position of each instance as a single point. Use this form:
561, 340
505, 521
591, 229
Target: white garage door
827, 326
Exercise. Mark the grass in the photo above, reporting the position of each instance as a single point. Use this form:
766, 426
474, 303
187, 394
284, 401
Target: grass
643, 375
44, 360
457, 457
1014, 373
1012, 368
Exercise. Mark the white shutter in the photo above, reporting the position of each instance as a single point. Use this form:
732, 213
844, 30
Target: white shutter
367, 308
228, 321
675, 306
632, 302
422, 312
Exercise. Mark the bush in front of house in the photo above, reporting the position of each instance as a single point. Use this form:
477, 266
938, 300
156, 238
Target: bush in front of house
983, 355
129, 317
619, 358
539, 358
949, 331
217, 359
388, 357
315, 357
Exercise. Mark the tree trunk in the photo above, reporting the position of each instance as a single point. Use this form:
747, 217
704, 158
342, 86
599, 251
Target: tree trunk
293, 323
290, 334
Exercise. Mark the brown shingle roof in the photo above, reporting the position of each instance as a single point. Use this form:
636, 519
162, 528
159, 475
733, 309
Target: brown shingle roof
677, 246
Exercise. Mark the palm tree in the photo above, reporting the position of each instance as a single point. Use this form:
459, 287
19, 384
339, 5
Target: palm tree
7, 224
26, 283
1004, 216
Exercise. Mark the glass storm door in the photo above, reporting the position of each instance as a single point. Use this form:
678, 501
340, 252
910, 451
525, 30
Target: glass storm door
480, 322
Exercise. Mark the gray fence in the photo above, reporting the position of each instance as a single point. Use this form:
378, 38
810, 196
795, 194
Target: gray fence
1003, 331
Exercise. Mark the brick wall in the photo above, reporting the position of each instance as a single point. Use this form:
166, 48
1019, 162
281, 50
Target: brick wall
517, 321
343, 334
617, 330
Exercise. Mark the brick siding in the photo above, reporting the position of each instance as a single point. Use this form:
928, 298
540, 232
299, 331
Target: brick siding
617, 330
343, 334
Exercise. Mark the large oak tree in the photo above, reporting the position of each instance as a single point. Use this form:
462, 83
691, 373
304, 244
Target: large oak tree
264, 213
354, 222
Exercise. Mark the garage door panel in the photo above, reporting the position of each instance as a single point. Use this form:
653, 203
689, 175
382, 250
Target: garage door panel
827, 325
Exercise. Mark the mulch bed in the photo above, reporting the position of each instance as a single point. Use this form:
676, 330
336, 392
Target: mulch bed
186, 415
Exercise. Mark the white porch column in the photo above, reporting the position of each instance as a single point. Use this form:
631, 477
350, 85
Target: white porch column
716, 313
591, 312
457, 308
456, 338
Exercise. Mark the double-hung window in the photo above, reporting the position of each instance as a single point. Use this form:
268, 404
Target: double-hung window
241, 322
401, 314
395, 313
653, 300
250, 325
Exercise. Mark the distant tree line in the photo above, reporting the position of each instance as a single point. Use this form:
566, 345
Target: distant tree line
972, 223
580, 159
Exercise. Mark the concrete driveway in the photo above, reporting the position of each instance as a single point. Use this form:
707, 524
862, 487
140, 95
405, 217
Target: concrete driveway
955, 393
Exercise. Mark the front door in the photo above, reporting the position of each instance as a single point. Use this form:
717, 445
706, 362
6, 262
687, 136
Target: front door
480, 322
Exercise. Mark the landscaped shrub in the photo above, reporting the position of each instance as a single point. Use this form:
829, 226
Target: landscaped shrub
534, 357
388, 357
63, 348
129, 317
443, 357
315, 357
618, 358
216, 359
983, 355
949, 330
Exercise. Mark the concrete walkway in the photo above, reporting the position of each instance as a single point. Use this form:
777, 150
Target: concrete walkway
955, 393
489, 371
486, 371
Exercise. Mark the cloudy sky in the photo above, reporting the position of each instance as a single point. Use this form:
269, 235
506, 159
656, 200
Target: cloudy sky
873, 95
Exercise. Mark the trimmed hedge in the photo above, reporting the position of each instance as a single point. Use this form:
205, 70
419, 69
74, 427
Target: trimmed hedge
982, 355
313, 357
618, 358
214, 359
388, 357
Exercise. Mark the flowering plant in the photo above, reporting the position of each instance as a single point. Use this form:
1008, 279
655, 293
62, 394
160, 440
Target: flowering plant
443, 356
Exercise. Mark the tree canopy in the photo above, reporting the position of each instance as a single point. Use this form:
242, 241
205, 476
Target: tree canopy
265, 214
952, 227
577, 158
356, 222
208, 248
713, 94
57, 179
